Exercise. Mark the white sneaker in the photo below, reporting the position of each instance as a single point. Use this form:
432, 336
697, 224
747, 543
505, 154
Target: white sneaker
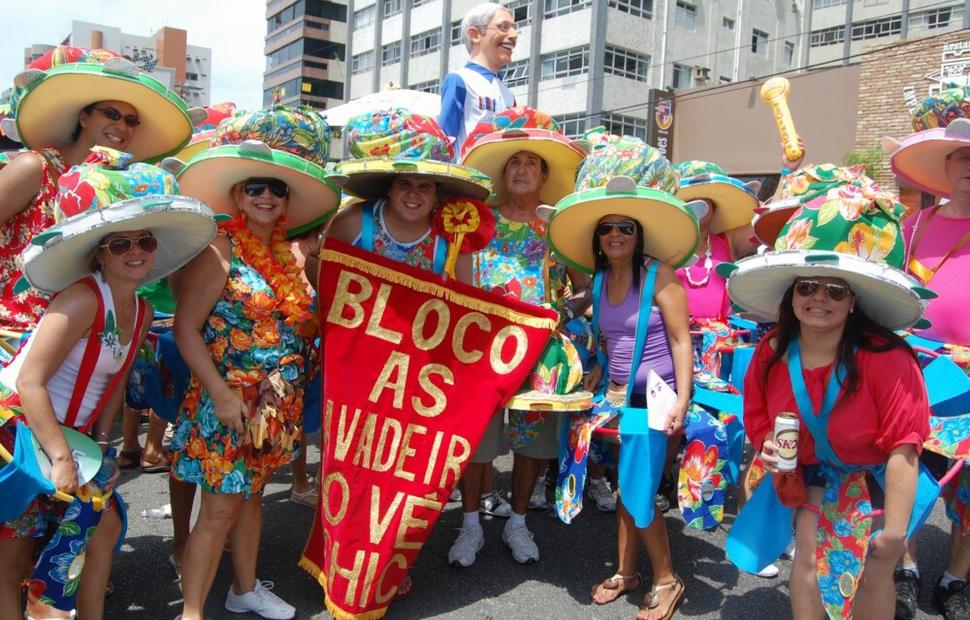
495, 505
455, 495
537, 501
600, 492
261, 602
519, 540
470, 541
768, 572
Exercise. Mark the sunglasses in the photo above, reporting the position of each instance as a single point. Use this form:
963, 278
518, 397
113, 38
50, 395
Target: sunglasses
123, 245
627, 229
834, 290
255, 187
114, 115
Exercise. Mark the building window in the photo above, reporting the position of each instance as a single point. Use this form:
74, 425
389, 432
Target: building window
626, 63
724, 80
685, 16
564, 63
419, 3
284, 54
682, 76
326, 10
365, 17
456, 33
625, 125
431, 86
789, 53
362, 62
822, 4
322, 88
521, 12
425, 42
875, 28
516, 73
393, 7
827, 36
324, 49
936, 18
561, 7
640, 8
391, 53
759, 42
727, 23
192, 76
572, 125
285, 16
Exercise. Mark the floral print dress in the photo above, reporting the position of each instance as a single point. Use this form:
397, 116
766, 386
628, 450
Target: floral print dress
248, 340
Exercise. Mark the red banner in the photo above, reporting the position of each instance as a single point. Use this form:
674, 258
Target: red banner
414, 370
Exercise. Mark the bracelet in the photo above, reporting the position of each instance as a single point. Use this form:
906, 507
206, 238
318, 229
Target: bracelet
785, 172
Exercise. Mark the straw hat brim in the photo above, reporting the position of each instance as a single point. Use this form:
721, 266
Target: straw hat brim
921, 157
670, 231
211, 175
887, 295
768, 224
490, 153
197, 145
59, 256
734, 203
48, 112
370, 178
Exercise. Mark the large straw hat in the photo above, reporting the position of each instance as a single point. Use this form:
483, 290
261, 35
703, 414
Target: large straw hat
734, 201
625, 177
106, 195
49, 95
290, 144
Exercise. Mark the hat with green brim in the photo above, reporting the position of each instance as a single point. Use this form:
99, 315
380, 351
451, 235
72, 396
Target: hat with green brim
51, 102
734, 202
289, 144
371, 178
107, 195
630, 178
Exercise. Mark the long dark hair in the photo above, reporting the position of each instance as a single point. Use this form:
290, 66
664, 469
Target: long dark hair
601, 262
859, 332
77, 129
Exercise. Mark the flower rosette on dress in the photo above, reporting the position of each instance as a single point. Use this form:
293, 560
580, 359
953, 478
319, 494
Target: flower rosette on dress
467, 224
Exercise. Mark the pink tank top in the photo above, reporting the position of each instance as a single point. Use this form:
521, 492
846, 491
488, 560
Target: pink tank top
708, 300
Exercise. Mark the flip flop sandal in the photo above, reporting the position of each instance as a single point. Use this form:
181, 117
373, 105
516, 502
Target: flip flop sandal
306, 498
403, 593
651, 600
613, 586
129, 459
155, 467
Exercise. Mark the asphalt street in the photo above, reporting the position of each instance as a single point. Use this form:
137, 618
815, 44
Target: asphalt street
574, 557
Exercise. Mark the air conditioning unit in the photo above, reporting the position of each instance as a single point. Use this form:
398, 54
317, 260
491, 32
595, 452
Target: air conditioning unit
701, 74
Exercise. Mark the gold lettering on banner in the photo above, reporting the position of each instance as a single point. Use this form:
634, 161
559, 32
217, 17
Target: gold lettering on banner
343, 298
380, 596
352, 575
407, 450
366, 444
369, 575
417, 328
392, 427
440, 401
335, 517
411, 522
397, 361
433, 459
344, 435
495, 353
454, 459
374, 327
378, 523
462, 354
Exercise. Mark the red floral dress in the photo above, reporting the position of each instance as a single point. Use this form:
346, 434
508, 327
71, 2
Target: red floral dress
21, 312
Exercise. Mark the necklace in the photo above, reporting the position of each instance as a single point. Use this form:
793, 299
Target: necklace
708, 264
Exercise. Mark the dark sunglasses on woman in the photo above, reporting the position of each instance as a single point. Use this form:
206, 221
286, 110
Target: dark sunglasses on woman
114, 115
834, 290
255, 187
627, 229
123, 245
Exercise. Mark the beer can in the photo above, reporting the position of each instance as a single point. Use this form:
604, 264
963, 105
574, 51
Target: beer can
786, 440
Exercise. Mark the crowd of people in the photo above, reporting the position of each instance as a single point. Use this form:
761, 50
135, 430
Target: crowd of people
187, 286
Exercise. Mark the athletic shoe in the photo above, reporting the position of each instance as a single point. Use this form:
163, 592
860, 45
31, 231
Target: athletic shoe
495, 505
519, 540
907, 593
261, 602
455, 495
952, 600
537, 501
768, 572
470, 541
602, 494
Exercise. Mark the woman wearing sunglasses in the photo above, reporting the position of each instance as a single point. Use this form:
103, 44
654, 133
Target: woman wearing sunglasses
241, 323
72, 369
631, 232
105, 101
835, 363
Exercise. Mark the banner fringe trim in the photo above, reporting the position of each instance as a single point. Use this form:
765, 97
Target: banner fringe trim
336, 612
